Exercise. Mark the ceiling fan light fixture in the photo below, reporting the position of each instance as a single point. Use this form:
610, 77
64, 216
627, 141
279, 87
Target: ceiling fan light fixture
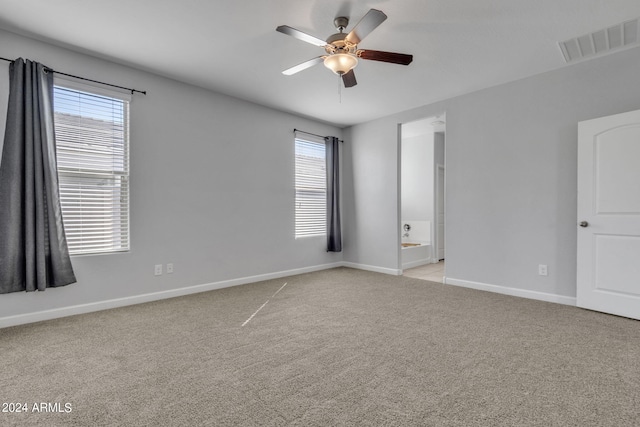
341, 63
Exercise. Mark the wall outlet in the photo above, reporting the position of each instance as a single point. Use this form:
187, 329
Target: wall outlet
158, 270
542, 270
169, 268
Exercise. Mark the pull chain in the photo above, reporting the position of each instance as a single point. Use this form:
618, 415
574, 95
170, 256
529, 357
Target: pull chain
340, 88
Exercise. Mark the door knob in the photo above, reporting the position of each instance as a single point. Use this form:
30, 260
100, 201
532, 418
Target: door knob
583, 224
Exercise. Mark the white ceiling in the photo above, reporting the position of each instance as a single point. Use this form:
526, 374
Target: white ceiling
232, 47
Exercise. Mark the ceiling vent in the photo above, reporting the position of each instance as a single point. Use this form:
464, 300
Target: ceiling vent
601, 42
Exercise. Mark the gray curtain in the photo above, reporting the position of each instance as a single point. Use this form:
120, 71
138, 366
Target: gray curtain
33, 247
334, 233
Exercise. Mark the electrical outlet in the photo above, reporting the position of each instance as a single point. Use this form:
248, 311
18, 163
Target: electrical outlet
158, 270
169, 268
542, 270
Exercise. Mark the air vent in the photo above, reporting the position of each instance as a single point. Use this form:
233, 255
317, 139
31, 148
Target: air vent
601, 42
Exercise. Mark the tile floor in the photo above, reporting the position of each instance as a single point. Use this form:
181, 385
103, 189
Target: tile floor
432, 272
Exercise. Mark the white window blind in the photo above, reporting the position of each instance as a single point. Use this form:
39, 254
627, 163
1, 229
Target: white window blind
311, 187
92, 138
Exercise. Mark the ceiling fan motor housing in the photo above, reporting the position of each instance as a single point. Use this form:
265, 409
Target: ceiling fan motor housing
338, 43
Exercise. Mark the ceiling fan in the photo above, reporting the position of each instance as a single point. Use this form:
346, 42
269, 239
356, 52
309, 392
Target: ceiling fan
342, 49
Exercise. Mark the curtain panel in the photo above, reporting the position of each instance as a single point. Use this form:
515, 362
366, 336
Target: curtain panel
33, 247
334, 230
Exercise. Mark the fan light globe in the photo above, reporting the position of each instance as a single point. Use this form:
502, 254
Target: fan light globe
341, 63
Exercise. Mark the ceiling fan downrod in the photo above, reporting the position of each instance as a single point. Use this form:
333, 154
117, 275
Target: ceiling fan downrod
341, 22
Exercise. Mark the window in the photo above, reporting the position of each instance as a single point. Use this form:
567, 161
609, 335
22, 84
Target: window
92, 137
311, 187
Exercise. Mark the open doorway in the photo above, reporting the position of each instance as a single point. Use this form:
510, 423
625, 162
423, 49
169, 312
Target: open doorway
422, 208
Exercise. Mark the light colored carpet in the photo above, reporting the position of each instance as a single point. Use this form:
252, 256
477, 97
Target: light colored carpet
337, 347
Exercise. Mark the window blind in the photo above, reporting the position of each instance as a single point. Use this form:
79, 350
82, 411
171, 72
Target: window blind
311, 187
92, 146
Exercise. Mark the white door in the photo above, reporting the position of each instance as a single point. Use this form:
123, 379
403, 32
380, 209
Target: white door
608, 273
440, 212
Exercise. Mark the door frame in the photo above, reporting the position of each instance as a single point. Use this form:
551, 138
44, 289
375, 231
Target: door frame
436, 206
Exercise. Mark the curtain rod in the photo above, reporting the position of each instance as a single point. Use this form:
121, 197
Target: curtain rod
314, 134
144, 92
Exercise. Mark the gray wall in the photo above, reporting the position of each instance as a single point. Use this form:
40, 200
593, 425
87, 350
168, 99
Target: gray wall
211, 188
371, 205
510, 177
417, 177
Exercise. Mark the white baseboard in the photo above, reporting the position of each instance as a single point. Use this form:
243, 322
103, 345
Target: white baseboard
391, 271
523, 293
39, 316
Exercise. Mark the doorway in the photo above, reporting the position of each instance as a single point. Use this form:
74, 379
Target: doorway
421, 197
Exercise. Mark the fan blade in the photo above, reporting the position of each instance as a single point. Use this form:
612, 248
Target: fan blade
307, 64
368, 23
349, 79
285, 29
392, 57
